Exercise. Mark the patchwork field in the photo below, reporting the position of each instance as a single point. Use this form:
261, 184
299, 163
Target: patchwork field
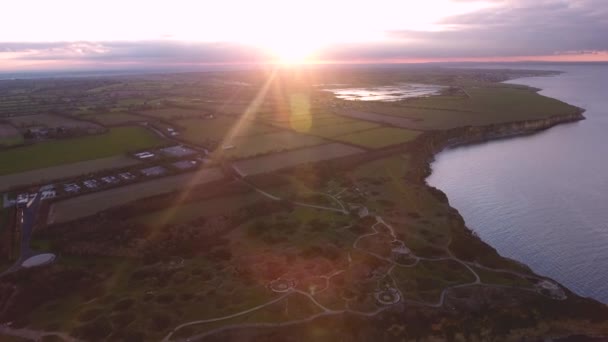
379, 137
89, 204
64, 171
199, 131
327, 126
175, 113
249, 146
288, 116
379, 118
50, 121
480, 106
288, 159
117, 141
114, 118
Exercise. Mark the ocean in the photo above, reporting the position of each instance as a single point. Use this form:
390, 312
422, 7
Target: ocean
543, 199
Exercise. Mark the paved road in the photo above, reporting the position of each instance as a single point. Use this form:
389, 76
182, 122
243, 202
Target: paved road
29, 214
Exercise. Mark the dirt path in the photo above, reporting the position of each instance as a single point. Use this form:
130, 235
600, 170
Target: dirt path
34, 335
328, 312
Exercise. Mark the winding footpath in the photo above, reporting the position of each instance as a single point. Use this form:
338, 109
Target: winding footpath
394, 289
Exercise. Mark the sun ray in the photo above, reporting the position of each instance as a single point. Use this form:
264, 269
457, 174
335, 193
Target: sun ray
242, 123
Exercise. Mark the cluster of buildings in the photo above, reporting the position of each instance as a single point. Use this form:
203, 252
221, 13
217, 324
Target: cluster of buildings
99, 182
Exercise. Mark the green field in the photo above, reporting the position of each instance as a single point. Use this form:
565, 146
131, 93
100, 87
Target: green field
249, 146
174, 113
117, 141
9, 135
379, 137
199, 131
189, 211
116, 118
333, 130
485, 105
11, 141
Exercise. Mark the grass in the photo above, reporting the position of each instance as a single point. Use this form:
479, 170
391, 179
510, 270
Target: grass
249, 146
174, 113
331, 131
11, 141
304, 228
501, 278
189, 296
199, 131
117, 118
117, 141
9, 135
190, 211
489, 104
9, 338
50, 121
295, 157
427, 280
379, 137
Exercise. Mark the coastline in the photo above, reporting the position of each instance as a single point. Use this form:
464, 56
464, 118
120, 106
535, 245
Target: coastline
432, 143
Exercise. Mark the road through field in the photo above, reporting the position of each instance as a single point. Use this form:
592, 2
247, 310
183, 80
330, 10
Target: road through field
85, 205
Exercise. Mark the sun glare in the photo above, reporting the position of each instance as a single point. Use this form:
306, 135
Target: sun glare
292, 46
292, 53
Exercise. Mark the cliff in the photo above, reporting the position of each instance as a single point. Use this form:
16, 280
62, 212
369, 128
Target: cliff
434, 142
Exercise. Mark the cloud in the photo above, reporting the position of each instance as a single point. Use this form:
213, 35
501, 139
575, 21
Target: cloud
162, 52
509, 28
516, 28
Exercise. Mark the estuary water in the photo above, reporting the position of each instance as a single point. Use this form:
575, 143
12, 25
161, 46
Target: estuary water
387, 93
543, 199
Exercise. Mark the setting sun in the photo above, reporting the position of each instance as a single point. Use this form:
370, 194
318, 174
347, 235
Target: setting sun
293, 53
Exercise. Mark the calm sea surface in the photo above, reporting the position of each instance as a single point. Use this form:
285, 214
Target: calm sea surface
543, 199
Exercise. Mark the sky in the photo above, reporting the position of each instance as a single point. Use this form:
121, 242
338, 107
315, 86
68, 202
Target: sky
76, 34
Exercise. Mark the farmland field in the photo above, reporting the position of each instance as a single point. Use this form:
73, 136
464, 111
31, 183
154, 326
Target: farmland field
58, 152
117, 118
483, 106
330, 131
175, 113
50, 121
326, 126
89, 204
397, 121
192, 210
379, 137
9, 135
64, 171
249, 146
201, 130
288, 159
